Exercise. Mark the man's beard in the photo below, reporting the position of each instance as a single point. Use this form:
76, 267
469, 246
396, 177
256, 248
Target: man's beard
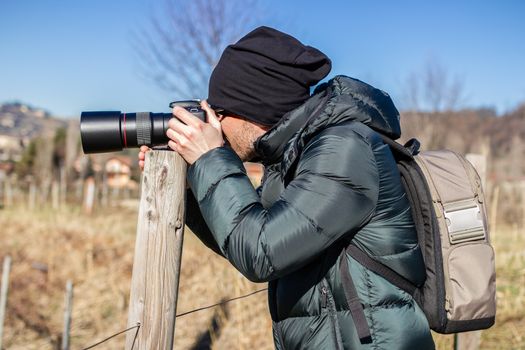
243, 144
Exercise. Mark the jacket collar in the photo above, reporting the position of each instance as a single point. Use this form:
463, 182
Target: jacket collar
342, 99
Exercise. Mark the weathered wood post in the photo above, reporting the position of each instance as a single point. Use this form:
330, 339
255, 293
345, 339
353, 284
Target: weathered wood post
89, 195
32, 195
8, 192
63, 186
105, 190
3, 294
55, 195
158, 252
494, 212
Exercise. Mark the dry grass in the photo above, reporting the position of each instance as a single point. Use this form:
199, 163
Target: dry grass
96, 253
49, 247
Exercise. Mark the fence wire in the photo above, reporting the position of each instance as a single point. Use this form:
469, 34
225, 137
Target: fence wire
177, 316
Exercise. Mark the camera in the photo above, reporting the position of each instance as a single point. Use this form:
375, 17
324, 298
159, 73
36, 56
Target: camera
112, 131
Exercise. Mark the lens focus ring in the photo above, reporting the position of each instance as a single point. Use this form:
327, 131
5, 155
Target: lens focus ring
143, 128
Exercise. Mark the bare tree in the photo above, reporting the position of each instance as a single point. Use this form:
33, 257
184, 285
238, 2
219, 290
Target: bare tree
183, 42
433, 89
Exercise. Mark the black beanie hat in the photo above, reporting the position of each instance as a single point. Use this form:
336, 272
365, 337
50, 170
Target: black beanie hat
266, 74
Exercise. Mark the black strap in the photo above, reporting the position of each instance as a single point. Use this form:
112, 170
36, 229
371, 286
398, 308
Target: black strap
413, 145
354, 304
402, 152
382, 270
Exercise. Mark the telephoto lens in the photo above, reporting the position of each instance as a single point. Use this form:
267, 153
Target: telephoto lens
112, 131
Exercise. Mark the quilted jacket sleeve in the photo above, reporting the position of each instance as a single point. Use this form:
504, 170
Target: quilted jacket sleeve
333, 193
197, 225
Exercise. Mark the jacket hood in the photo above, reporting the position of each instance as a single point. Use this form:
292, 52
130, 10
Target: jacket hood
340, 100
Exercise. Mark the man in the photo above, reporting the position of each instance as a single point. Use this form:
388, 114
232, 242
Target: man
329, 180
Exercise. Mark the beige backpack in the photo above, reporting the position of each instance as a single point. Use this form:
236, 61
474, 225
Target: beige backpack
448, 207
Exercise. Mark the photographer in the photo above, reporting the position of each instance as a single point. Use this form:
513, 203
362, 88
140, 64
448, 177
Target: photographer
329, 180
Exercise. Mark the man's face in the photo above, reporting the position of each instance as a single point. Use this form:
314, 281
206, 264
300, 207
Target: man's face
241, 134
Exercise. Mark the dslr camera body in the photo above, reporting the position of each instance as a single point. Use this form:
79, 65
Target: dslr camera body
112, 131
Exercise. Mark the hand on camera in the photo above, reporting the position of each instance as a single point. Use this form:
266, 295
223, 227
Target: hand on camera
191, 137
142, 156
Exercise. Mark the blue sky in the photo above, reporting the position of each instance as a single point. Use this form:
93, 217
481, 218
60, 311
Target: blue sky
69, 56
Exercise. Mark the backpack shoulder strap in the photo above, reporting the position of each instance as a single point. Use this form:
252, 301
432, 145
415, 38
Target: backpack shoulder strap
382, 270
402, 152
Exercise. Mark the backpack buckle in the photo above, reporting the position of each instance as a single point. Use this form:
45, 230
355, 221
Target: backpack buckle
413, 146
464, 221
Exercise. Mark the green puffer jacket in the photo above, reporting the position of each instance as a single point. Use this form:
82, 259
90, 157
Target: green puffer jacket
329, 179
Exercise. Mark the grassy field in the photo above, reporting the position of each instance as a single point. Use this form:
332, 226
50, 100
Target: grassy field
96, 252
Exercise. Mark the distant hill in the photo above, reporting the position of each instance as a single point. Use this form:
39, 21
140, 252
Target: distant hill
26, 122
19, 124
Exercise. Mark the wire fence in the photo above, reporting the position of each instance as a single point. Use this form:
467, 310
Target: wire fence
115, 335
137, 327
81, 321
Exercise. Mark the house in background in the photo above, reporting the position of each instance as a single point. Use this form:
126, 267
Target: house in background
118, 172
11, 149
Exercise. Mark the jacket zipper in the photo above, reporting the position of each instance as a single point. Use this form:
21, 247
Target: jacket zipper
328, 298
324, 296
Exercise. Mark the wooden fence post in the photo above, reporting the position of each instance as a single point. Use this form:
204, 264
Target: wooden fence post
494, 212
158, 252
79, 190
104, 201
63, 186
8, 192
479, 162
89, 195
32, 195
3, 294
55, 195
523, 204
68, 308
